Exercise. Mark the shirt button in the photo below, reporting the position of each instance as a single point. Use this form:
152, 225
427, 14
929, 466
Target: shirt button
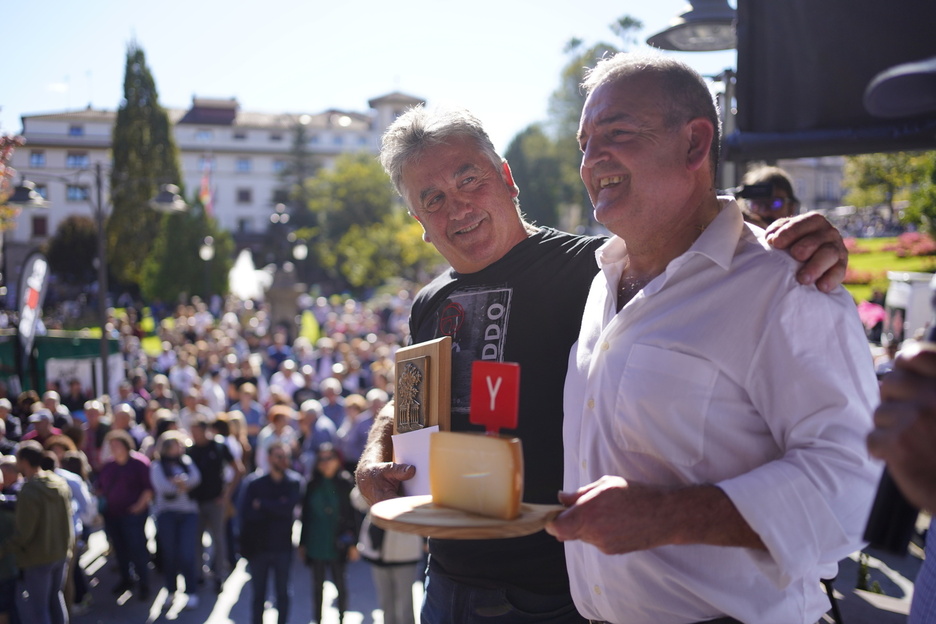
597, 590
591, 403
605, 346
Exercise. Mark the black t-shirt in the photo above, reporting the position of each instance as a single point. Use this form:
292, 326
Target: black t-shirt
525, 308
210, 459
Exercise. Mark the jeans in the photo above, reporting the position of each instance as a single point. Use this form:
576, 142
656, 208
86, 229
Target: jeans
127, 537
449, 602
39, 598
260, 566
394, 585
176, 532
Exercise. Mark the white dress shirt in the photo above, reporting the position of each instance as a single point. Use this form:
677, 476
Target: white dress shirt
723, 370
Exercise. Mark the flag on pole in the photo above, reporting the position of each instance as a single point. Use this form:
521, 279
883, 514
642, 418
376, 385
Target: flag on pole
204, 194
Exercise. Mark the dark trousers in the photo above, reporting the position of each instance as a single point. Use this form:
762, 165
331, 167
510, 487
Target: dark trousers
127, 537
337, 569
261, 564
446, 601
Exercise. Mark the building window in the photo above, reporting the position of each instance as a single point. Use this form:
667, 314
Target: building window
338, 139
314, 139
243, 225
279, 165
280, 196
204, 135
75, 192
37, 158
244, 196
43, 191
206, 163
40, 226
77, 160
243, 165
276, 136
75, 130
240, 135
362, 140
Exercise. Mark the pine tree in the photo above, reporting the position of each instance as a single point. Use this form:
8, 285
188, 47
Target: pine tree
145, 157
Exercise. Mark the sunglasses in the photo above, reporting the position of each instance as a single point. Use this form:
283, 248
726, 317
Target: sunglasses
773, 203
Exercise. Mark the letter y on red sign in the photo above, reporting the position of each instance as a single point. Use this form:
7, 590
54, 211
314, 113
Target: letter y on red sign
495, 395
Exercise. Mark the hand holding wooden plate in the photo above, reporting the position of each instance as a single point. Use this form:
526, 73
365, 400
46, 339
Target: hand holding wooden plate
418, 515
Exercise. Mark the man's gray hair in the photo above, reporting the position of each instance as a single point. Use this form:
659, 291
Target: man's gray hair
420, 128
312, 406
687, 96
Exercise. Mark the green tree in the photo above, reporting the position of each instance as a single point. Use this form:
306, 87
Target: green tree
174, 269
364, 235
73, 248
537, 171
372, 254
145, 157
354, 191
922, 208
547, 174
874, 179
299, 168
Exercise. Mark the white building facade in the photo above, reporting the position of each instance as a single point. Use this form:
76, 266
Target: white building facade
244, 151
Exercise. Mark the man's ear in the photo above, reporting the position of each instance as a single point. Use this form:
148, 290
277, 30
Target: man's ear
701, 134
425, 235
507, 174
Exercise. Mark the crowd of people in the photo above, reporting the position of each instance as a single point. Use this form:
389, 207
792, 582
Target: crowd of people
236, 428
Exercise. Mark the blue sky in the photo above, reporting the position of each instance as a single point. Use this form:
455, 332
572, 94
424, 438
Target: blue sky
499, 58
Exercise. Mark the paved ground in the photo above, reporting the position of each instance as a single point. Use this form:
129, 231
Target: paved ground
894, 574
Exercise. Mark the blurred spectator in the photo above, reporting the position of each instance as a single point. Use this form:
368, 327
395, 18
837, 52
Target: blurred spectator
75, 397
61, 417
41, 428
781, 201
315, 429
13, 430
357, 424
193, 410
162, 393
329, 535
287, 378
213, 392
125, 492
124, 420
41, 540
333, 403
252, 411
278, 430
173, 475
213, 458
7, 447
95, 430
267, 510
395, 559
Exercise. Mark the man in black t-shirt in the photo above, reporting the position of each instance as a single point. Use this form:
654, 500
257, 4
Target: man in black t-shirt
213, 459
515, 293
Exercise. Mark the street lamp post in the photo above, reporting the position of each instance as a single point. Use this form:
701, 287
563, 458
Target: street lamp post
206, 252
707, 26
167, 200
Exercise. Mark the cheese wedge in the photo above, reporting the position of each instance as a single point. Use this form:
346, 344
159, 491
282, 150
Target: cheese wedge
477, 473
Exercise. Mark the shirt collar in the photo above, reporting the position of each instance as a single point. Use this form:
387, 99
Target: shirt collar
717, 243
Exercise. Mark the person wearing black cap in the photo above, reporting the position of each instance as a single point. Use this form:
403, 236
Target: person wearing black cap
780, 203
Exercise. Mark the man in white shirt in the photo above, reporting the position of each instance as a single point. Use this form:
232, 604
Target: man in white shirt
715, 409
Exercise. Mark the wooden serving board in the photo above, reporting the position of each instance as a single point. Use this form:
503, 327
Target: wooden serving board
417, 514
